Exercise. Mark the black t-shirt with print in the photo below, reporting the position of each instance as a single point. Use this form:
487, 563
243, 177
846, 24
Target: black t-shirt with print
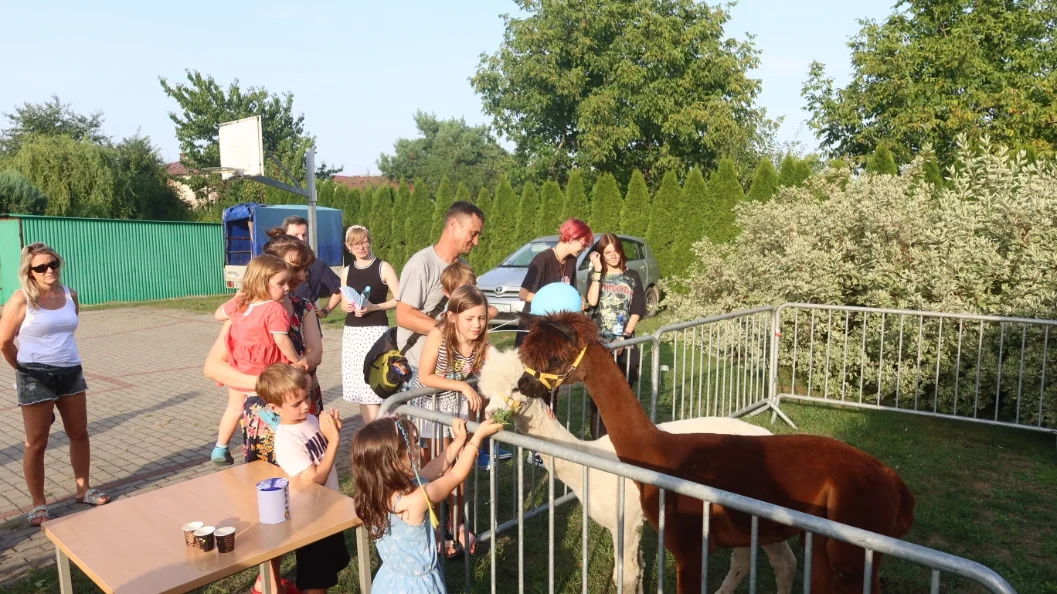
621, 294
545, 269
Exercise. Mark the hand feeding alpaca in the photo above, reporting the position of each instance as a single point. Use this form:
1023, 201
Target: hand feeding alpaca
806, 473
499, 378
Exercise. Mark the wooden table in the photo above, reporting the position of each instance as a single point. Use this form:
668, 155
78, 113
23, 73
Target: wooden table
136, 545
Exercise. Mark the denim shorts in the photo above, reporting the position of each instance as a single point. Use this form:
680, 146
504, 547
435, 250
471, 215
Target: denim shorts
38, 382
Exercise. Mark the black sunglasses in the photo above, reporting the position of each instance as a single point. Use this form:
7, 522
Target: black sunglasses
54, 265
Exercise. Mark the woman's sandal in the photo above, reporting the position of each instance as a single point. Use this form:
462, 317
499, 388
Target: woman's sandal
38, 515
287, 587
462, 544
93, 496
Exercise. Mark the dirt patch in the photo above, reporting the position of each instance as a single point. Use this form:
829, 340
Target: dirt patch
980, 487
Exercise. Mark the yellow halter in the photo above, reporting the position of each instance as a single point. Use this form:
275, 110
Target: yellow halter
547, 378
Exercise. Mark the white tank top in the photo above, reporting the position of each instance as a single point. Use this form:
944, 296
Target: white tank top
46, 335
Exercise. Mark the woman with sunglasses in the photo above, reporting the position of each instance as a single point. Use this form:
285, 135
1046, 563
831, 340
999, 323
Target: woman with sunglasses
43, 314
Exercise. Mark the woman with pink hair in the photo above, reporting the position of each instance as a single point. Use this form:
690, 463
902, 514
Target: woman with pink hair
556, 264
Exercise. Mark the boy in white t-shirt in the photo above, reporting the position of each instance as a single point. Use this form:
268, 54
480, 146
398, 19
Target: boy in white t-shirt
306, 449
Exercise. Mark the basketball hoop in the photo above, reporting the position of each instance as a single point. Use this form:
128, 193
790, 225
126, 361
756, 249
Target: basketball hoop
241, 148
226, 173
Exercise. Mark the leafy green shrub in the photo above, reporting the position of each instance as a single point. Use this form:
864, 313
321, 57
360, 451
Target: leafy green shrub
18, 196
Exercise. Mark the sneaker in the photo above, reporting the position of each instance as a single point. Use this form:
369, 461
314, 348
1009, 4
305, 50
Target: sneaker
221, 457
535, 460
484, 461
502, 454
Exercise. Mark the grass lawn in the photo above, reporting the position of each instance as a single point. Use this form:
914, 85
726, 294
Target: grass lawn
982, 493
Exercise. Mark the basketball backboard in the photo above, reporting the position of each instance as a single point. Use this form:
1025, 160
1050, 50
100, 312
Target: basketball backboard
241, 148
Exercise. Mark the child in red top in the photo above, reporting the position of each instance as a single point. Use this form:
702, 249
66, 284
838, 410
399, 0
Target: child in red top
258, 336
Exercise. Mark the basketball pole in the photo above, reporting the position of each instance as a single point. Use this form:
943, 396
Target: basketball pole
310, 182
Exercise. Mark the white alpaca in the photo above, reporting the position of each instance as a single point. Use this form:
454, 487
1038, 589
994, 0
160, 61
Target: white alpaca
498, 382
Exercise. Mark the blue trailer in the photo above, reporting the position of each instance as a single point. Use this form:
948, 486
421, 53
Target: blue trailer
246, 231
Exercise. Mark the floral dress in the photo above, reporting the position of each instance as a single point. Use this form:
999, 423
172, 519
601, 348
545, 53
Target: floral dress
258, 435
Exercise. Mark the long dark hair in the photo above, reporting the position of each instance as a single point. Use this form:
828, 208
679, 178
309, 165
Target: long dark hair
606, 240
380, 460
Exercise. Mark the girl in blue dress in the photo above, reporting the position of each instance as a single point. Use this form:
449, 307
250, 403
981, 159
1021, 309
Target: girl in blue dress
395, 499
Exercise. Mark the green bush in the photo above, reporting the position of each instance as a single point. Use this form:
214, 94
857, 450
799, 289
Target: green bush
575, 205
983, 245
635, 213
528, 209
764, 181
550, 215
18, 196
606, 203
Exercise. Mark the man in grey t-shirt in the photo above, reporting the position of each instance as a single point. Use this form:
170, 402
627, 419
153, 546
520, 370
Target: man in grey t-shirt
420, 288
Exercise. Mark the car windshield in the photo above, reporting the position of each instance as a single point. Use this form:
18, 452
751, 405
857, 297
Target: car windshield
523, 257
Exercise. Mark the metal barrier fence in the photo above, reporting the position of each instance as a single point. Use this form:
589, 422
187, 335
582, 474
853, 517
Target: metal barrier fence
938, 563
985, 369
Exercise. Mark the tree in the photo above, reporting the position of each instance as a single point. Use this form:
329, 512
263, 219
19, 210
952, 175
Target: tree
931, 173
204, 105
613, 87
381, 216
528, 209
52, 118
575, 204
725, 193
606, 204
18, 196
793, 173
445, 198
764, 181
882, 162
479, 257
447, 148
502, 223
401, 211
419, 216
635, 212
937, 68
692, 222
144, 183
664, 219
462, 194
550, 214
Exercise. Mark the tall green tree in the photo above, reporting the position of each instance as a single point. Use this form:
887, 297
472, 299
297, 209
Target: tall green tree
528, 211
793, 173
882, 162
18, 196
725, 193
764, 181
932, 173
447, 148
401, 212
606, 204
635, 212
692, 222
479, 256
617, 86
381, 218
445, 198
937, 68
550, 214
502, 223
51, 118
463, 194
349, 203
575, 204
204, 104
664, 221
417, 231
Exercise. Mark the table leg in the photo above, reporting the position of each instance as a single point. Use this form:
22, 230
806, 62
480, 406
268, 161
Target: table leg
63, 563
267, 585
363, 559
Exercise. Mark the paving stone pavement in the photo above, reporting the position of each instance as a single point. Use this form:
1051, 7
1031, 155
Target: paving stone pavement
152, 419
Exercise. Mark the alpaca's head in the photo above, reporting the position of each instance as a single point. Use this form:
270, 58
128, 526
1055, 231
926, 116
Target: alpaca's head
553, 347
499, 381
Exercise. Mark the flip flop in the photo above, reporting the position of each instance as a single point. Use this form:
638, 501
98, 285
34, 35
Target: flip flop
93, 497
452, 550
463, 532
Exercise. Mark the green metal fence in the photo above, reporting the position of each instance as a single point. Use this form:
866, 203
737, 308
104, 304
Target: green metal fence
118, 260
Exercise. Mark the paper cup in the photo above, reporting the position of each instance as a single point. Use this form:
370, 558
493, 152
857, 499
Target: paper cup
204, 538
189, 532
273, 500
225, 539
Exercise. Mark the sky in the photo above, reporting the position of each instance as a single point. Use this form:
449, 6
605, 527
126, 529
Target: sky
358, 70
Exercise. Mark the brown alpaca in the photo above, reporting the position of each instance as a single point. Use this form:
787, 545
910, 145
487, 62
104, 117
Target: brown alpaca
811, 474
